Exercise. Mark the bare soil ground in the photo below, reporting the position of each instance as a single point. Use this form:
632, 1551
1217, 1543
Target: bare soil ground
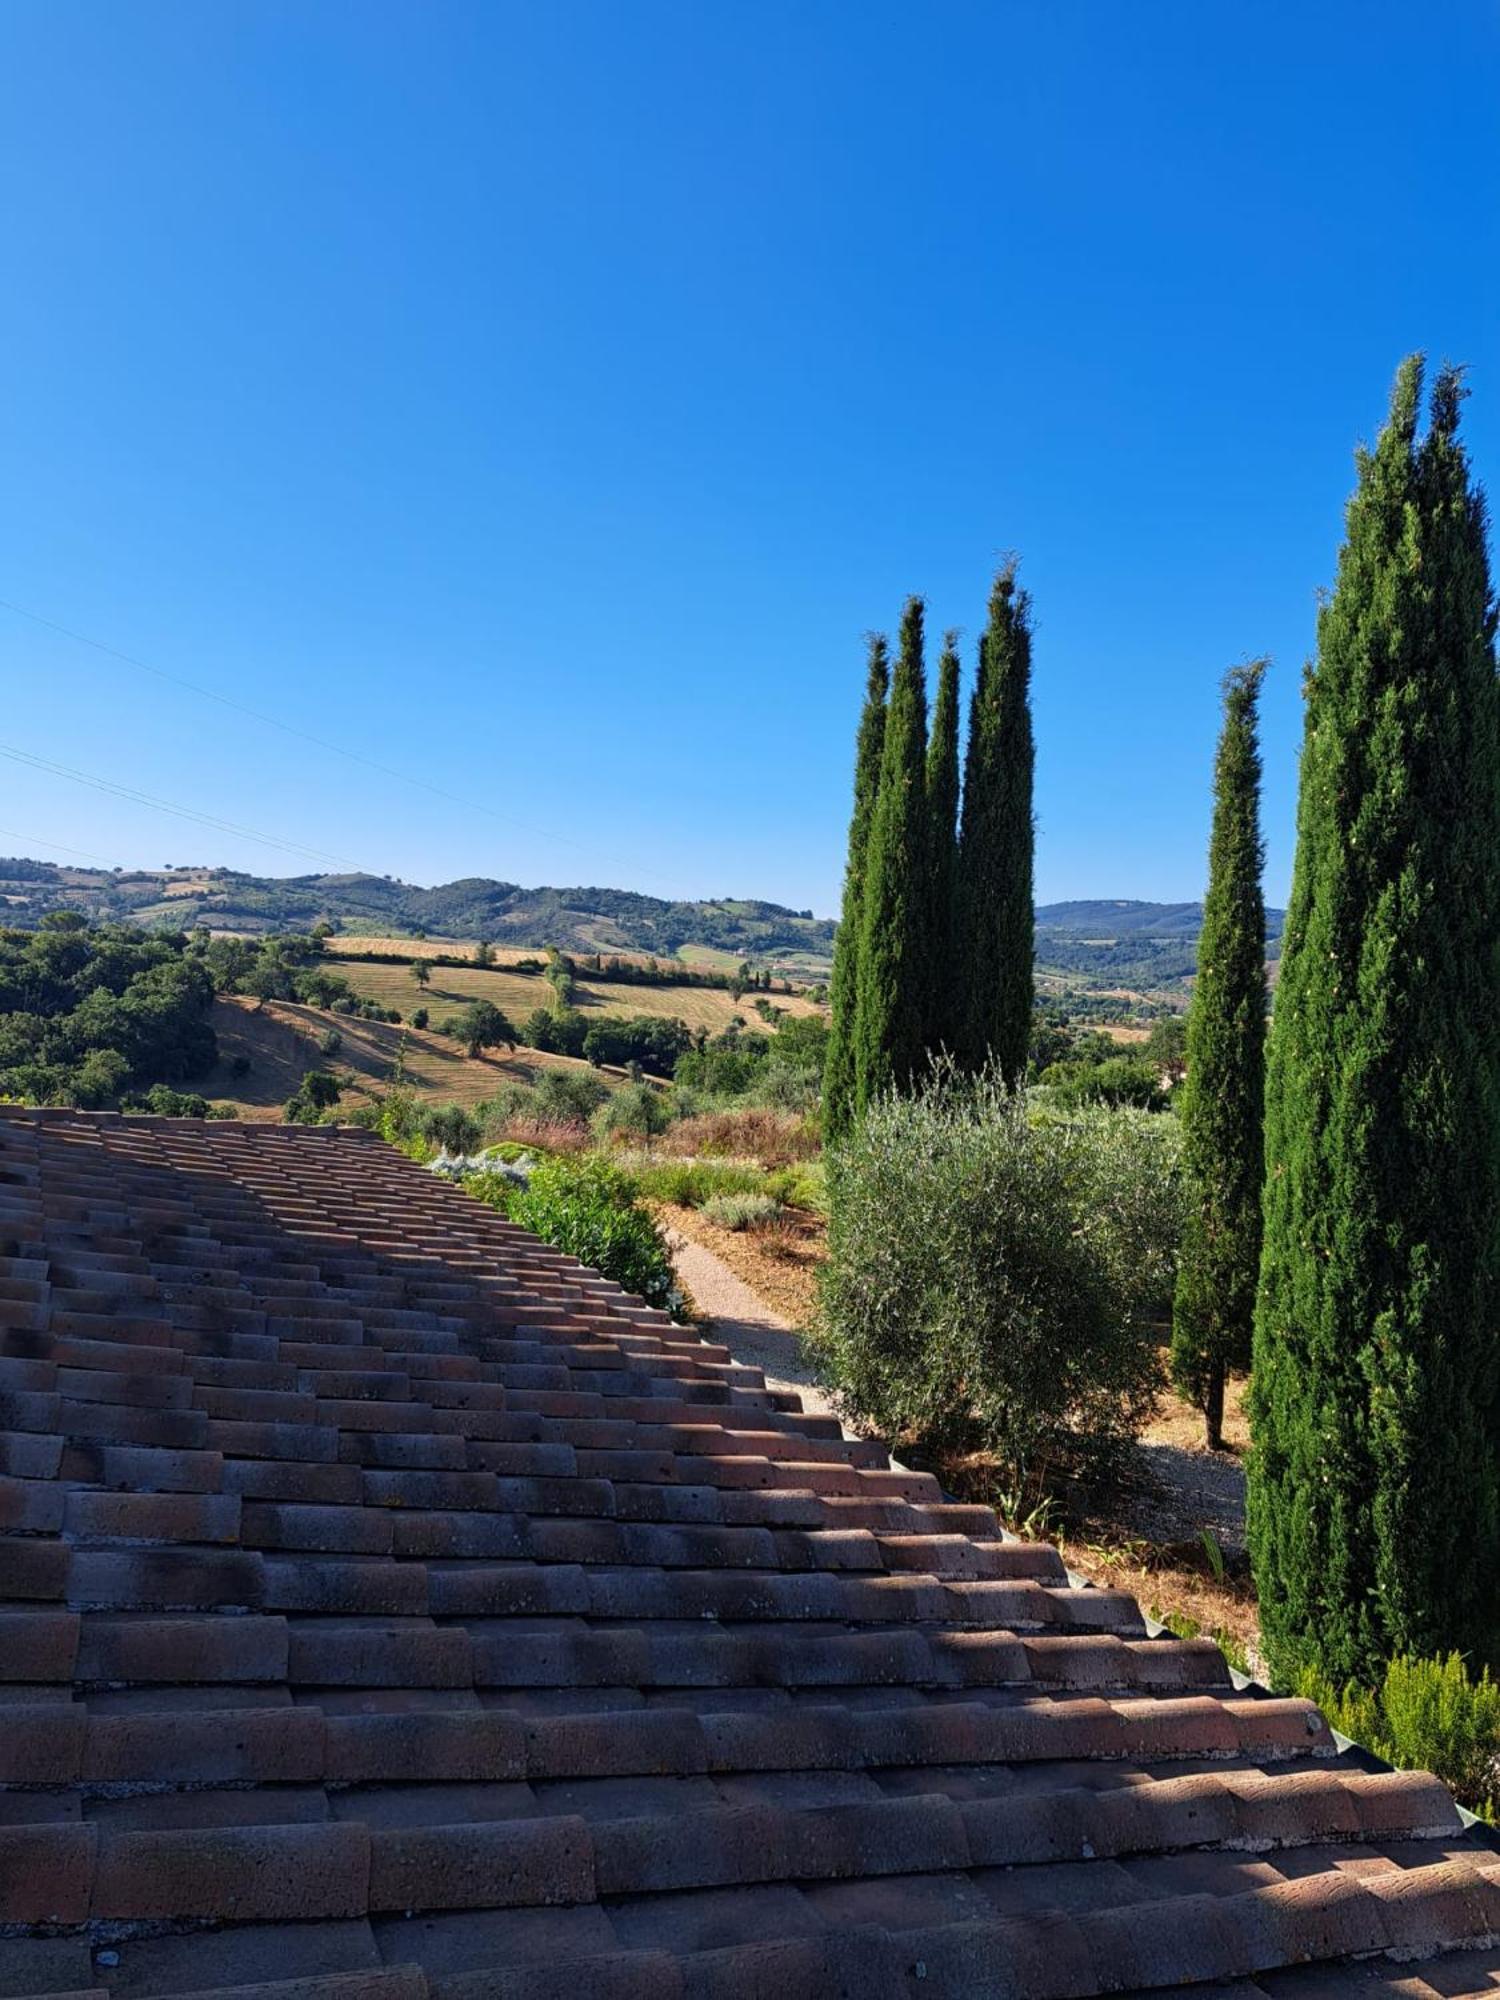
783, 1278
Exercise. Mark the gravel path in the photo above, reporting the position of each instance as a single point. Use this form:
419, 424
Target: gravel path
746, 1325
1183, 1492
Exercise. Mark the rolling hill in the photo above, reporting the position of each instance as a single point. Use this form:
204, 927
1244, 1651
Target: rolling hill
1103, 942
1120, 942
574, 919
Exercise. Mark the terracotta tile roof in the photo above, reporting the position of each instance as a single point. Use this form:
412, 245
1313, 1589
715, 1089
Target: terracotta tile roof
391, 1608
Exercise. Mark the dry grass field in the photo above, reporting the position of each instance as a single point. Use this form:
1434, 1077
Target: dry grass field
518, 993
281, 1041
435, 947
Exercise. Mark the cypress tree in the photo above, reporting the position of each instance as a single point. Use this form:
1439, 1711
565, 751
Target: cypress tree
843, 990
1373, 1494
1213, 1312
996, 921
891, 1021
942, 839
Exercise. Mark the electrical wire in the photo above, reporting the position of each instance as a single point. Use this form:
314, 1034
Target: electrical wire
289, 728
135, 797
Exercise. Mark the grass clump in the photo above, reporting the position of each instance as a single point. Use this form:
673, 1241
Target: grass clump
694, 1183
1183, 1625
742, 1211
1427, 1715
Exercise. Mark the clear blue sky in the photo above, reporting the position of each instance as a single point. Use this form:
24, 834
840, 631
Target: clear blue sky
544, 399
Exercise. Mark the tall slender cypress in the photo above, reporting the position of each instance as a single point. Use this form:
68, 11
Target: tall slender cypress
843, 992
894, 951
1213, 1312
996, 922
1374, 1516
942, 848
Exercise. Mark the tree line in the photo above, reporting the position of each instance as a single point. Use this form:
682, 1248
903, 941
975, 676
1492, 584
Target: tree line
934, 946
1341, 1159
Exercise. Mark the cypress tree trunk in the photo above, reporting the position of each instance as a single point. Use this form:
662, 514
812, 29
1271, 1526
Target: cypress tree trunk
1213, 1311
997, 927
843, 990
894, 952
942, 835
1373, 1497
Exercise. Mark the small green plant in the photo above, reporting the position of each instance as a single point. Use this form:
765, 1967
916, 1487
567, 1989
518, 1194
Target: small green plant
1182, 1625
1425, 1715
1033, 1519
1213, 1552
741, 1211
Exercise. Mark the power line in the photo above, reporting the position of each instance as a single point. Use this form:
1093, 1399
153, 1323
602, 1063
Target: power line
35, 840
289, 728
166, 806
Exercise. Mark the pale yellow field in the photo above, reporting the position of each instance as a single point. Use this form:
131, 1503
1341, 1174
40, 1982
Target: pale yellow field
281, 1040
434, 947
519, 993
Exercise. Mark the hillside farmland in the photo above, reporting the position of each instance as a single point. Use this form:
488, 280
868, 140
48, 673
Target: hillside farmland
519, 993
280, 1040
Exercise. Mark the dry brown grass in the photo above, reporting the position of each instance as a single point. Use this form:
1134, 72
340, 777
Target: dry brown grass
774, 1138
547, 1135
281, 1040
518, 993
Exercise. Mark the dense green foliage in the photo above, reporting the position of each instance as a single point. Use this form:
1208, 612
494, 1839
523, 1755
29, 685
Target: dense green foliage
840, 1081
1423, 1715
942, 849
995, 922
590, 1209
1116, 1079
86, 1016
1373, 1516
482, 1025
894, 972
992, 1278
1223, 1097
654, 1041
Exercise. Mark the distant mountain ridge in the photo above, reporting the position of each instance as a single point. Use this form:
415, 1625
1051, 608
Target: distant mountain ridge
1120, 942
578, 919
1106, 941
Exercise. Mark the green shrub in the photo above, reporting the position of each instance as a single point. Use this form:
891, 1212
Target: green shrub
1116, 1080
802, 1186
992, 1279
590, 1209
692, 1183
1426, 1715
637, 1112
741, 1211
575, 1094
451, 1129
164, 1102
